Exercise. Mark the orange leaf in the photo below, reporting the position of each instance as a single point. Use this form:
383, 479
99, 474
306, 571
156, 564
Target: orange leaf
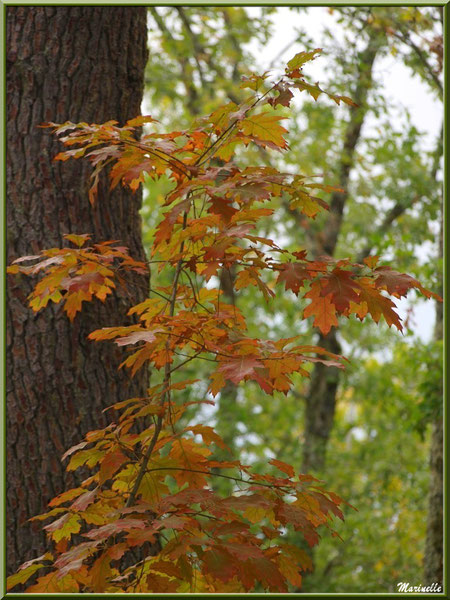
109, 464
285, 468
209, 435
372, 301
101, 572
322, 308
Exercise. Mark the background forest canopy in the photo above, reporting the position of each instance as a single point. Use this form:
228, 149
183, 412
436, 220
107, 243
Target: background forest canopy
367, 432
373, 432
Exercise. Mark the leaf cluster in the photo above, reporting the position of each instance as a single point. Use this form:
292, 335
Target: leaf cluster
153, 487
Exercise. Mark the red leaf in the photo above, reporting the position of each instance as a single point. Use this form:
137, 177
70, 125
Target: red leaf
265, 571
244, 551
137, 537
293, 275
219, 563
222, 207
398, 284
342, 287
284, 95
231, 528
73, 559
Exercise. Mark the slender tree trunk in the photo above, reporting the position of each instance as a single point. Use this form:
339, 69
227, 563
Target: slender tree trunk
77, 63
320, 407
321, 397
433, 562
226, 425
434, 559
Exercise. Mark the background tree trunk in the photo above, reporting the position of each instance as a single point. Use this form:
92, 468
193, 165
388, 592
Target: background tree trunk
321, 397
433, 562
78, 64
434, 543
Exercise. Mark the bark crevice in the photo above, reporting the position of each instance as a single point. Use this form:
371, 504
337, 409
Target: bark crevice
63, 63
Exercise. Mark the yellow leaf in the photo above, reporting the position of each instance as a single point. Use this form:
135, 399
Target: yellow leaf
152, 487
78, 240
52, 583
301, 58
265, 127
23, 575
88, 457
63, 527
255, 514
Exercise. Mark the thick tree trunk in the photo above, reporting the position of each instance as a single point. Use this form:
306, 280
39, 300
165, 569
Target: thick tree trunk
321, 397
78, 63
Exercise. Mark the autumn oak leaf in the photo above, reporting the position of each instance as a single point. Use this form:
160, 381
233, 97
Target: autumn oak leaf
342, 287
284, 95
321, 308
240, 367
372, 301
293, 275
300, 59
282, 466
398, 284
139, 336
265, 127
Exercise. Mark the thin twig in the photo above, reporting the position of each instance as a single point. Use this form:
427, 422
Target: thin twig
248, 481
165, 394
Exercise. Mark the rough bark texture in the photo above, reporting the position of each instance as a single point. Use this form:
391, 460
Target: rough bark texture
80, 64
321, 398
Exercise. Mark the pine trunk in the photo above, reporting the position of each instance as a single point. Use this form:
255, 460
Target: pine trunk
77, 63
